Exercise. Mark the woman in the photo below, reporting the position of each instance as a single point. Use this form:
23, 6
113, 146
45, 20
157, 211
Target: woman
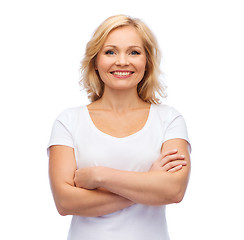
116, 163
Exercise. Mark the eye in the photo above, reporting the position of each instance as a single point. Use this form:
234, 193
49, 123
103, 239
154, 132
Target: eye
109, 52
134, 53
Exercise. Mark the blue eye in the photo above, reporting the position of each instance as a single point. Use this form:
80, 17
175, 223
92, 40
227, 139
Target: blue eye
109, 52
135, 53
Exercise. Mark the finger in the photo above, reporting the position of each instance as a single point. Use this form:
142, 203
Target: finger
173, 151
175, 169
171, 158
174, 164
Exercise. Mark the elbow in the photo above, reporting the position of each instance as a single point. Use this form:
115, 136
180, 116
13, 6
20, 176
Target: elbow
178, 196
62, 211
62, 208
170, 198
173, 196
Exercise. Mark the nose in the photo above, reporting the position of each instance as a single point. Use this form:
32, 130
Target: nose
122, 60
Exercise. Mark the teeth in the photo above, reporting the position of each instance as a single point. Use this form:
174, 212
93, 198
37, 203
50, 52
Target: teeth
122, 73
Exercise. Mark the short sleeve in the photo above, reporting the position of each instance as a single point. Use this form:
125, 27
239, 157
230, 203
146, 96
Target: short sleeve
176, 127
61, 132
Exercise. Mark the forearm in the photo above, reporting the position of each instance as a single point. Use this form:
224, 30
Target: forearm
90, 203
150, 188
71, 200
165, 183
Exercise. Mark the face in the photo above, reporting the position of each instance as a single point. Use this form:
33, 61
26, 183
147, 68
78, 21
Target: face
121, 62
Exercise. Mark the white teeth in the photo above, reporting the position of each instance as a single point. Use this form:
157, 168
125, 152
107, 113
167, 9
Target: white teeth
122, 73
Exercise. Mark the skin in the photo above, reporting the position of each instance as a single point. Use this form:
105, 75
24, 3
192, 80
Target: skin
117, 54
96, 191
156, 187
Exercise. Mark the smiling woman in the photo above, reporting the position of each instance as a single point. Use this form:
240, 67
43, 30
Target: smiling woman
115, 163
121, 58
145, 43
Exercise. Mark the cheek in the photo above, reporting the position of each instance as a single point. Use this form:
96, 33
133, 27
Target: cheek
142, 63
141, 66
103, 64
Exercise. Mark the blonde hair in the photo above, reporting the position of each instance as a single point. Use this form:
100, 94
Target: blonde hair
149, 86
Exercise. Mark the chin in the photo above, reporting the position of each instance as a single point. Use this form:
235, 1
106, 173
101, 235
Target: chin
122, 87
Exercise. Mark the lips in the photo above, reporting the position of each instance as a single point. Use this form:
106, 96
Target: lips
122, 73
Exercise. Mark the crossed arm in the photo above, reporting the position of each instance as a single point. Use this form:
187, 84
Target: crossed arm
97, 191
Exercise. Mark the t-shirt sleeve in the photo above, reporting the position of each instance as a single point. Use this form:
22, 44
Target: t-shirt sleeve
176, 127
61, 132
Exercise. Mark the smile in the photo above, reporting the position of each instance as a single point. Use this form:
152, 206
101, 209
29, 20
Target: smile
122, 73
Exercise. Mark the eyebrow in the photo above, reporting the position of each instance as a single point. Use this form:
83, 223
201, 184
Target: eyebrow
114, 46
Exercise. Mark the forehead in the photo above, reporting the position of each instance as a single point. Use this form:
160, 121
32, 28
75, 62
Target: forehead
126, 35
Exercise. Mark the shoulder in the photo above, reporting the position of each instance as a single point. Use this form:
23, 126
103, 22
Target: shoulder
174, 123
70, 112
166, 112
70, 116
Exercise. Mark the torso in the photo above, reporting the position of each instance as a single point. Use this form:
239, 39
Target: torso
119, 124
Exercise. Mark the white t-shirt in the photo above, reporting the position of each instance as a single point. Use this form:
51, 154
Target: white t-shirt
137, 152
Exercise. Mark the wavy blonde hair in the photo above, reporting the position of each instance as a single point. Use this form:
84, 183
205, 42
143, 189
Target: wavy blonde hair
149, 86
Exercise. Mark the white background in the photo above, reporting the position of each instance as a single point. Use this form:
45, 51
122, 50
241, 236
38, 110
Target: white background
42, 43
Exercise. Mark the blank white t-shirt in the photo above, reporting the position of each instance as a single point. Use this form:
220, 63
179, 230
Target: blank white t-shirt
75, 128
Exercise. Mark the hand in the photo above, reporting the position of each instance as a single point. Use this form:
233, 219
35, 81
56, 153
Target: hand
86, 178
169, 161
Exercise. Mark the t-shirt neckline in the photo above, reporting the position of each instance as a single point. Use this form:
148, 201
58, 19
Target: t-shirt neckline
101, 133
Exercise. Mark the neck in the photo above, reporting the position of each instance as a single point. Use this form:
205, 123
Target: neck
121, 101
